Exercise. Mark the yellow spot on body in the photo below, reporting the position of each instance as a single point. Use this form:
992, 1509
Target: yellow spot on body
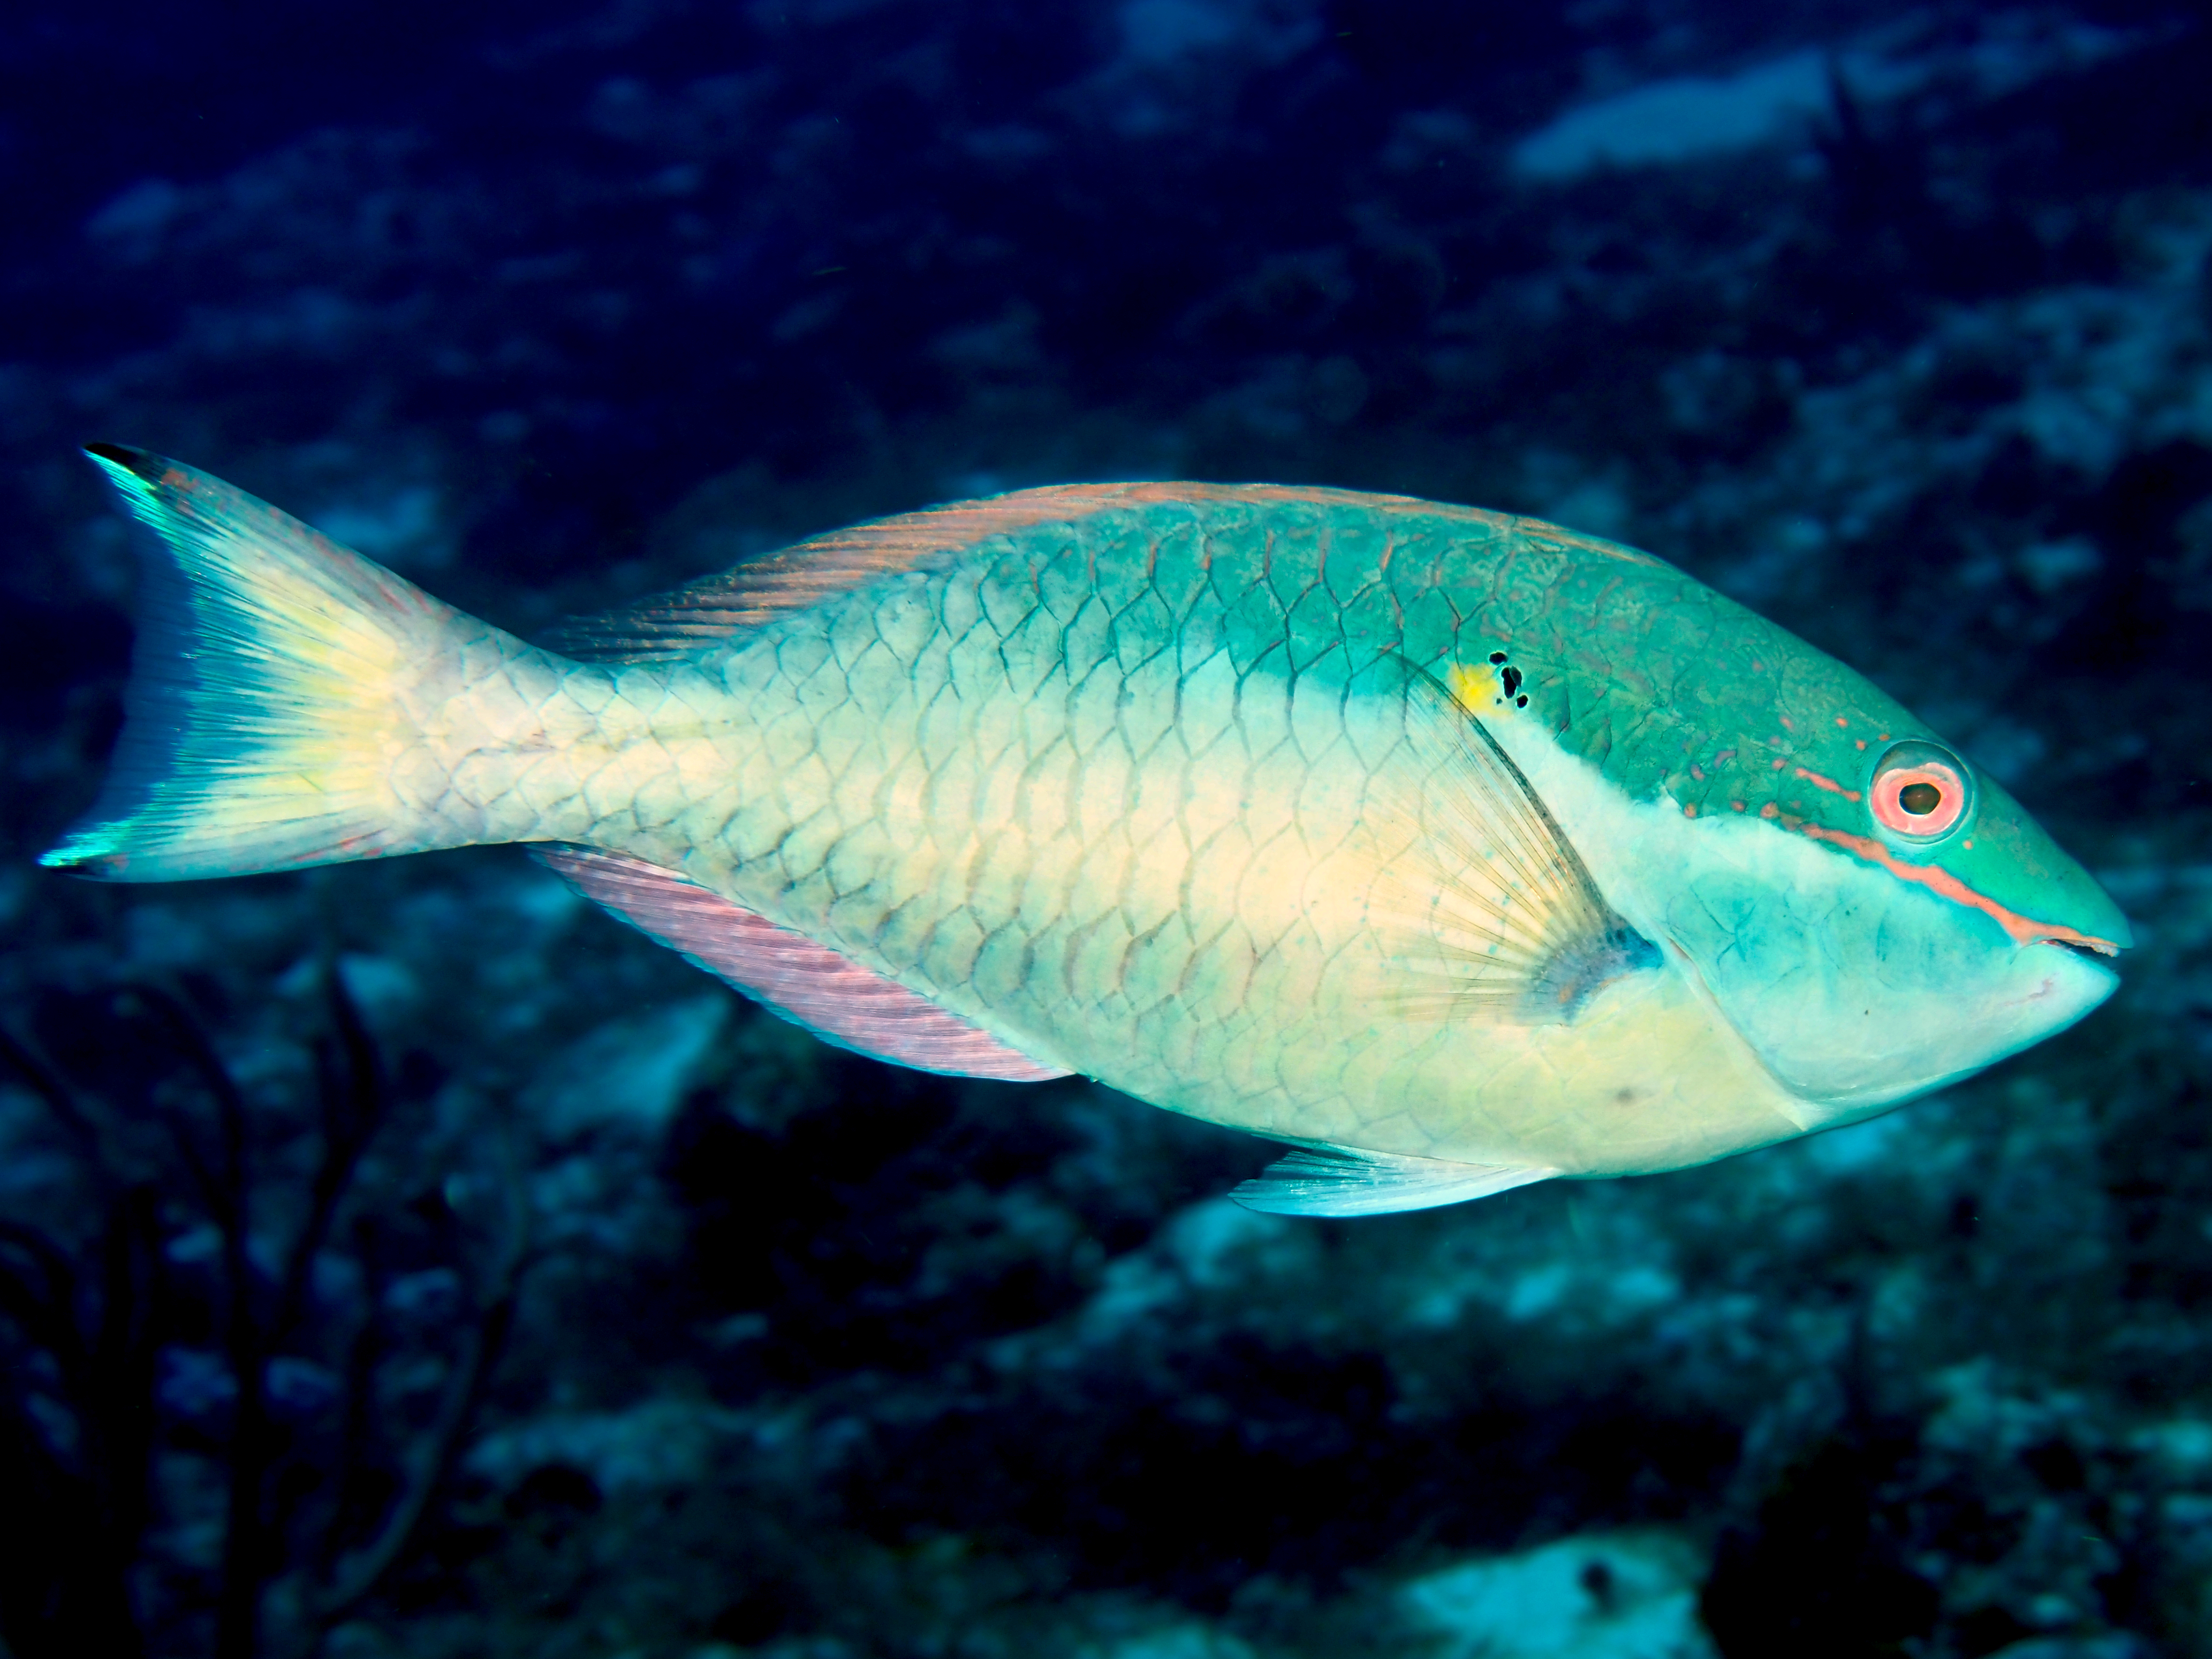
1689, 809
1769, 810
1477, 687
1737, 805
1840, 721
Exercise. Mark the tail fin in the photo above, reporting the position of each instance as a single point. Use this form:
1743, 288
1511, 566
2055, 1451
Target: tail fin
266, 692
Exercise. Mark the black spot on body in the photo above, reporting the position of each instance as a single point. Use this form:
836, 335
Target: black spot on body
1511, 677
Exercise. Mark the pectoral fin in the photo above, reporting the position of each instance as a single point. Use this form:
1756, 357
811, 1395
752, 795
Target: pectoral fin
1486, 910
1345, 1181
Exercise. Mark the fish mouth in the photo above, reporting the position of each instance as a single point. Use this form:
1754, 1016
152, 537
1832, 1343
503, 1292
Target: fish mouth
2097, 951
2095, 955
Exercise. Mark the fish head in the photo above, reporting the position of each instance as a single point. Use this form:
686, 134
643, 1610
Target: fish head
1907, 924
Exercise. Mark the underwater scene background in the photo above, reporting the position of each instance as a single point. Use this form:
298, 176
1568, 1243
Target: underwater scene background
408, 1259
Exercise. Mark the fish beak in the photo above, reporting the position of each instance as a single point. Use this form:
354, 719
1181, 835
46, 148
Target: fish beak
2089, 949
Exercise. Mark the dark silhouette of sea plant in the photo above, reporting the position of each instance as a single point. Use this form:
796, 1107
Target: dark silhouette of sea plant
203, 1312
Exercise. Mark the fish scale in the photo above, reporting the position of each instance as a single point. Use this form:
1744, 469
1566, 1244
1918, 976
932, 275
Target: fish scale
1230, 996
1462, 847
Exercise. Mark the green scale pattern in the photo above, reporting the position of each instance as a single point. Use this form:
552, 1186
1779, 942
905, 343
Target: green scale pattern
1134, 778
1001, 780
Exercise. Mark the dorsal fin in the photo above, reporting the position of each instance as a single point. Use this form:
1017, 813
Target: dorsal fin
698, 614
809, 984
1349, 1180
756, 590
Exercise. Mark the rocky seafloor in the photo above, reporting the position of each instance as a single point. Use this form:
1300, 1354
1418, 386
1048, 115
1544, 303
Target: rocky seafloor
631, 1322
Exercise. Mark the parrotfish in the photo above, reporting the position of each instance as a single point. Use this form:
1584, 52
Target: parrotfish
1456, 850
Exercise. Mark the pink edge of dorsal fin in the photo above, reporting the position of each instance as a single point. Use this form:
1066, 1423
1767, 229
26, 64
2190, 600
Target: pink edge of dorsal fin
807, 983
757, 590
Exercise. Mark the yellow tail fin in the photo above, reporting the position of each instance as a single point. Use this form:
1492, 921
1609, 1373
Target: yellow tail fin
269, 692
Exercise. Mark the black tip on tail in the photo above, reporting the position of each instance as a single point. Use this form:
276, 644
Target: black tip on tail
121, 454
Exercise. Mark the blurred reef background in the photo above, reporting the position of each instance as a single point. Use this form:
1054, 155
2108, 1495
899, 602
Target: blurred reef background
411, 1261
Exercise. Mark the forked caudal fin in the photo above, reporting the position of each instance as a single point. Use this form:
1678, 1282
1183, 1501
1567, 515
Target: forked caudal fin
269, 692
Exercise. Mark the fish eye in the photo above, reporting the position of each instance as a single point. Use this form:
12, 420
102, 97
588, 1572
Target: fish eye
1920, 790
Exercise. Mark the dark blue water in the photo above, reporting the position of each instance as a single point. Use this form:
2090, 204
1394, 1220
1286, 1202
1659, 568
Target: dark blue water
404, 1259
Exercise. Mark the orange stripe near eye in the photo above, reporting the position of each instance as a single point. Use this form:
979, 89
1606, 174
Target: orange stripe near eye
1829, 784
1947, 885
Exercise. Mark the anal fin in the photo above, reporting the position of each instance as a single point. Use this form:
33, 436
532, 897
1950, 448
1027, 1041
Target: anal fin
1345, 1181
807, 983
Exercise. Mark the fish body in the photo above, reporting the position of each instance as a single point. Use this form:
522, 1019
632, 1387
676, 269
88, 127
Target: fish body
1458, 847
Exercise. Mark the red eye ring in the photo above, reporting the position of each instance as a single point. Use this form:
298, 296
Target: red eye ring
1920, 791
